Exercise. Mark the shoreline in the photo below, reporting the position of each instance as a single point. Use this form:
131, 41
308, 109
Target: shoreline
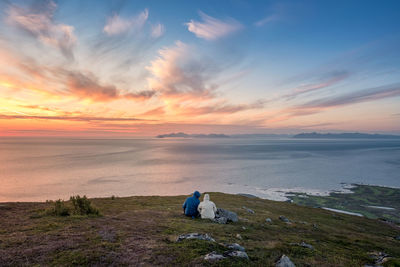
284, 194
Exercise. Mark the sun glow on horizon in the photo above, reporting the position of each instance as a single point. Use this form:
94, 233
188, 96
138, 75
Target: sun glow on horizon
137, 71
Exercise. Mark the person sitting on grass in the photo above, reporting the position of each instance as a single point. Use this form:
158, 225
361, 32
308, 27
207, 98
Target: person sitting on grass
191, 204
207, 208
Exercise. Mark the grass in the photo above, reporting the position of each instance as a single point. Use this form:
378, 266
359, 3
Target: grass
143, 230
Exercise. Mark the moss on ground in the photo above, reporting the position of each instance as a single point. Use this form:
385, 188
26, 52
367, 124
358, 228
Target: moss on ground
143, 230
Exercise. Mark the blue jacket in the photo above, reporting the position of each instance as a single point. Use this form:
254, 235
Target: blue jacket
191, 204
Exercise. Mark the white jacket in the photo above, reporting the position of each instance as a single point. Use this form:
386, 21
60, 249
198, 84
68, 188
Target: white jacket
207, 208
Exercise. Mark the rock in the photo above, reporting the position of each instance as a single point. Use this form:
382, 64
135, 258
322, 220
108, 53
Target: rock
229, 215
236, 253
244, 228
268, 220
221, 220
235, 246
379, 257
397, 237
213, 256
238, 236
303, 244
315, 226
205, 237
284, 261
248, 210
284, 219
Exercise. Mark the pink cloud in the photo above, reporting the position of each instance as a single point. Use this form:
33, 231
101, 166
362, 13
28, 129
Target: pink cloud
117, 25
211, 28
42, 26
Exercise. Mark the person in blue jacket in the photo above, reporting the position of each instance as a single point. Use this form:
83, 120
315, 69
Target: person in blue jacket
191, 204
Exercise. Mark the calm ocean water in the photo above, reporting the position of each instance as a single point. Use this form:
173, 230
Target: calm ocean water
36, 169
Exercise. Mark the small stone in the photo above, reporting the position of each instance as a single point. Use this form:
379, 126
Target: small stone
238, 236
205, 237
244, 228
397, 237
236, 253
284, 219
284, 261
305, 245
213, 256
268, 220
315, 226
235, 246
249, 210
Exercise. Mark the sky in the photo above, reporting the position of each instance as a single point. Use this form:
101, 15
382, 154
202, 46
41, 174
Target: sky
142, 68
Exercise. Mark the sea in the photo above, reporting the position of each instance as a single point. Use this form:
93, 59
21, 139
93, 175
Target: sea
40, 169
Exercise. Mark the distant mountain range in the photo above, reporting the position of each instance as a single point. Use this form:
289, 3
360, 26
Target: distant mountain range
346, 135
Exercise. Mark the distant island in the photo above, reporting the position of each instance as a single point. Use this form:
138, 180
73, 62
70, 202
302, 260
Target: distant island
346, 135
184, 135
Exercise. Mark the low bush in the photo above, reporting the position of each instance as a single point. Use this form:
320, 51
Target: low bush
59, 209
83, 206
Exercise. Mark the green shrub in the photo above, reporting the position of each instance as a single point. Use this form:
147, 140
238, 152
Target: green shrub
83, 206
59, 209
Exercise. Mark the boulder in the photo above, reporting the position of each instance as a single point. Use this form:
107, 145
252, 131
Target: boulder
229, 215
213, 256
205, 237
284, 261
284, 219
235, 246
236, 253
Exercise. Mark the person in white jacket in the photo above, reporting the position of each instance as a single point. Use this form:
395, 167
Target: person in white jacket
207, 208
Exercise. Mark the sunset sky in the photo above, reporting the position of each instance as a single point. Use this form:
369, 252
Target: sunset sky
137, 68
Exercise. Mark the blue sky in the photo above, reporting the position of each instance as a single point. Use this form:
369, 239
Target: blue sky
141, 67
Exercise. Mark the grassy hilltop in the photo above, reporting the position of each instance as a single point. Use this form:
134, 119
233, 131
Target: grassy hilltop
143, 230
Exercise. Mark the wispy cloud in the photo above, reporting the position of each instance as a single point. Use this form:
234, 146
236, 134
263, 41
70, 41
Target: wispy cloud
40, 24
326, 81
267, 19
87, 85
157, 30
118, 25
211, 28
177, 72
220, 108
370, 94
59, 81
